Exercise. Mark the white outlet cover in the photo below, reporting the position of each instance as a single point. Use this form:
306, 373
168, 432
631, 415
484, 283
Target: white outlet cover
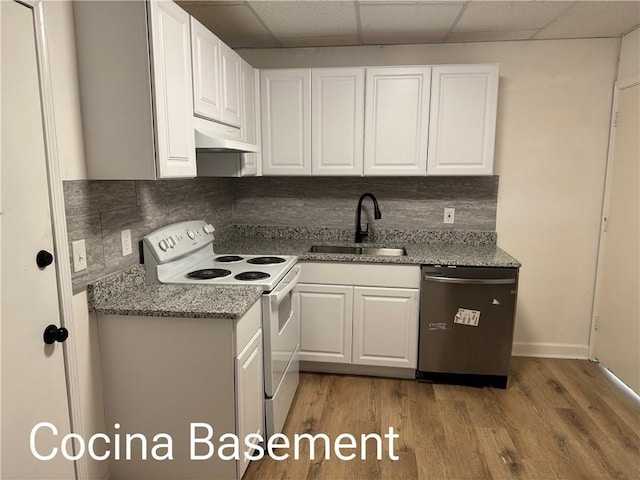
125, 238
449, 215
79, 249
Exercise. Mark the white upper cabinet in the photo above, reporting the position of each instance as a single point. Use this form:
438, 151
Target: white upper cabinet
337, 120
285, 98
207, 86
216, 77
463, 120
171, 41
231, 88
134, 71
397, 120
249, 128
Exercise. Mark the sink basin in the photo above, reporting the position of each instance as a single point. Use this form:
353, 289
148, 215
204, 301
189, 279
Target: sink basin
336, 249
392, 252
397, 252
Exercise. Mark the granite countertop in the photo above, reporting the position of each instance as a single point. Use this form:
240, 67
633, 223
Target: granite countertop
440, 248
127, 293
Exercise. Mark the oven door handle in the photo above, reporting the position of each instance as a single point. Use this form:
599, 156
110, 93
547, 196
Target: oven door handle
278, 294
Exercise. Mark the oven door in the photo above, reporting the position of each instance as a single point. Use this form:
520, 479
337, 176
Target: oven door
281, 327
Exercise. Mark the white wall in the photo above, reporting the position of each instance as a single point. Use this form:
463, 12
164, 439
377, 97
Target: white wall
629, 55
551, 150
59, 25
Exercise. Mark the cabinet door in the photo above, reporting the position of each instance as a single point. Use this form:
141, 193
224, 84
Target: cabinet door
385, 327
171, 55
337, 121
397, 121
325, 322
462, 128
285, 104
249, 395
205, 57
231, 93
249, 118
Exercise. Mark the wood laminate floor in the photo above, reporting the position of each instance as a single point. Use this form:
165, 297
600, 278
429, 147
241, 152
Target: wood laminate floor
558, 419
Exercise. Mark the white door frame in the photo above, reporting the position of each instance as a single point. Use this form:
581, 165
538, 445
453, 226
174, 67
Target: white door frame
618, 87
58, 220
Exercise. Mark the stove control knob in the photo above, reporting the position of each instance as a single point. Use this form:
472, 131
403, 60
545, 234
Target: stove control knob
191, 233
171, 242
208, 229
163, 245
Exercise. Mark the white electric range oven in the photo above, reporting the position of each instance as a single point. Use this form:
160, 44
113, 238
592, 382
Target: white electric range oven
183, 253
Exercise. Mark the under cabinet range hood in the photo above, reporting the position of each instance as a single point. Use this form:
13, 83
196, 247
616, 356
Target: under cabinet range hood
212, 137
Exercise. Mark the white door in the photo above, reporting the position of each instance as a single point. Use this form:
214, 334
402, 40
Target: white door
173, 91
249, 118
205, 57
285, 106
325, 313
396, 120
462, 124
33, 376
616, 342
385, 327
249, 395
230, 71
337, 121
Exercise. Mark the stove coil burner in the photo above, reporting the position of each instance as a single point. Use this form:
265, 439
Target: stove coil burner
209, 273
251, 276
228, 258
265, 260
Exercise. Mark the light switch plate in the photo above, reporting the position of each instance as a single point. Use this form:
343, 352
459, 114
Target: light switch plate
125, 237
79, 255
449, 215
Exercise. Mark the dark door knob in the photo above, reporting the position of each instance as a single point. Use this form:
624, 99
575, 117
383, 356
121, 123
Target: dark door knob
44, 259
55, 334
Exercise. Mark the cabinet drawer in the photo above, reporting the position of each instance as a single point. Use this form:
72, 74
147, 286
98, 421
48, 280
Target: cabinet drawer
361, 274
247, 326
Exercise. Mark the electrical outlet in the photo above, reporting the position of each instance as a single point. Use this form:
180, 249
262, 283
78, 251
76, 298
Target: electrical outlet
449, 215
79, 255
125, 237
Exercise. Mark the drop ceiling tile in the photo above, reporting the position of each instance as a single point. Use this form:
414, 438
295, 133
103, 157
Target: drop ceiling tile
463, 37
321, 41
235, 24
307, 18
497, 16
594, 19
400, 22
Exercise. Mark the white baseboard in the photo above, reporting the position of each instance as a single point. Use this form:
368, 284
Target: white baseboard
551, 350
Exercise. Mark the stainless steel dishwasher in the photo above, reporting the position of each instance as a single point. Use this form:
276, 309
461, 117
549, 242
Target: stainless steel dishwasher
466, 324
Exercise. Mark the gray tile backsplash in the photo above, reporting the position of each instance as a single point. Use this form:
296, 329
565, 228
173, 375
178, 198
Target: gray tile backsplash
406, 202
98, 210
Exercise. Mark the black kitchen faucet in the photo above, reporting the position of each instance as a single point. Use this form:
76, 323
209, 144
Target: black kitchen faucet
376, 213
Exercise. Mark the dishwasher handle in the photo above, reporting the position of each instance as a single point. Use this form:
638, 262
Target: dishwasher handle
469, 281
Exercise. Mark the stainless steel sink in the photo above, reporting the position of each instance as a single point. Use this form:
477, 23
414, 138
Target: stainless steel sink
397, 252
392, 252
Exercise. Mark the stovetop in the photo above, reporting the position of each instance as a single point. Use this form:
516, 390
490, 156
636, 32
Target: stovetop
183, 253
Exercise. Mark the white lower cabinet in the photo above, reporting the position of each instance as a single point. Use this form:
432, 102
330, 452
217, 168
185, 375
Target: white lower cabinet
360, 323
249, 396
175, 375
385, 327
325, 333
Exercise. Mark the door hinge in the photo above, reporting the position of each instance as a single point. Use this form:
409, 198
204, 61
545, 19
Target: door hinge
615, 119
595, 322
605, 224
